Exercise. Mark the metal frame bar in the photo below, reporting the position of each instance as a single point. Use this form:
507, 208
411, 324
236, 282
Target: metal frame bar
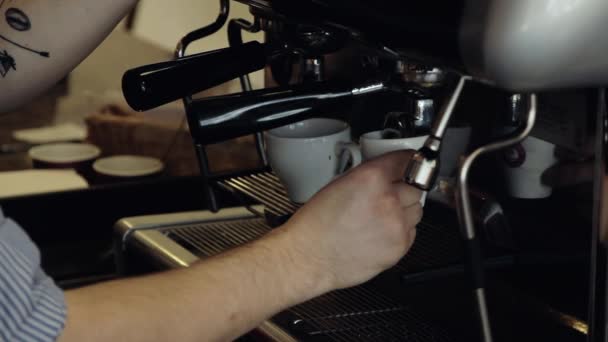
235, 37
598, 284
235, 29
180, 51
465, 214
203, 32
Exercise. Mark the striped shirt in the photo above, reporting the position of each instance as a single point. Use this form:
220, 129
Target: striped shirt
32, 307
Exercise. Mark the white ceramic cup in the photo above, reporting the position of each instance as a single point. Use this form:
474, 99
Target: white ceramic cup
305, 155
372, 145
524, 165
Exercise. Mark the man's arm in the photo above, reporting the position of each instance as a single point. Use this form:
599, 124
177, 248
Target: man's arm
355, 228
214, 300
41, 41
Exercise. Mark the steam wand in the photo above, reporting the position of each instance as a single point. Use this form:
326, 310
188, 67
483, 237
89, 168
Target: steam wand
422, 172
466, 216
423, 168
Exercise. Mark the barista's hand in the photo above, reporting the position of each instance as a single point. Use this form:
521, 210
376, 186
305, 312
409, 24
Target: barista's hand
359, 225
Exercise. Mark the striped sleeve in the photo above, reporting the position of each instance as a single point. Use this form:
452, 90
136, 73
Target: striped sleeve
32, 307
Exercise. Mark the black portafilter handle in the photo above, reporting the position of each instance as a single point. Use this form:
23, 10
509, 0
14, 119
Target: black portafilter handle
153, 85
221, 118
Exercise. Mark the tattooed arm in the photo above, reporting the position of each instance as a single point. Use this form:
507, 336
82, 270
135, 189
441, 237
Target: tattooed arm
41, 41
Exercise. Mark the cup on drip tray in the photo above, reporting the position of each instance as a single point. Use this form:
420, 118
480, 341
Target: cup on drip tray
305, 155
523, 166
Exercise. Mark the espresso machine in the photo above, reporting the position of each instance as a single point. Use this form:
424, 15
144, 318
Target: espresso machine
487, 265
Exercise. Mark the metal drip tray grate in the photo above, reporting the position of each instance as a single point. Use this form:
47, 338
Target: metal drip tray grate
360, 314
435, 246
208, 239
265, 188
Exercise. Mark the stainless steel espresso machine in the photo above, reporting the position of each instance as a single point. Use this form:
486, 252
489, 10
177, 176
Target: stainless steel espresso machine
499, 257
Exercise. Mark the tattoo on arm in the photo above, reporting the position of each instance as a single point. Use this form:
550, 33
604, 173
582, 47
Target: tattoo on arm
20, 22
7, 62
41, 53
17, 19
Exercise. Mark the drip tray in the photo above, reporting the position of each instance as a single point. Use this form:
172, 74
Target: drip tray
358, 314
265, 188
363, 313
205, 240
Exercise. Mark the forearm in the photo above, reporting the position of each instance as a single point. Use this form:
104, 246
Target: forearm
348, 233
215, 300
42, 41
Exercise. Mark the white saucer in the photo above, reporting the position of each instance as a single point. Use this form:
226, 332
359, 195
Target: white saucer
128, 166
63, 153
51, 134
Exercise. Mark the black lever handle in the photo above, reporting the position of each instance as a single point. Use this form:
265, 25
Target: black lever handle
153, 85
226, 117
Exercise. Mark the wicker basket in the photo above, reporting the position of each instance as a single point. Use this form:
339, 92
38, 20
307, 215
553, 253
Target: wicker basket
163, 133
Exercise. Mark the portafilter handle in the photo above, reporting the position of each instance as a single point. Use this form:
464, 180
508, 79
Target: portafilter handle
423, 168
153, 85
221, 118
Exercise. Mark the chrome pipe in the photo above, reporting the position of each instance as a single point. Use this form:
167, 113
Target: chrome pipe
465, 215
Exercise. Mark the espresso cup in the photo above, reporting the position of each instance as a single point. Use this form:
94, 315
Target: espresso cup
305, 155
524, 165
372, 145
